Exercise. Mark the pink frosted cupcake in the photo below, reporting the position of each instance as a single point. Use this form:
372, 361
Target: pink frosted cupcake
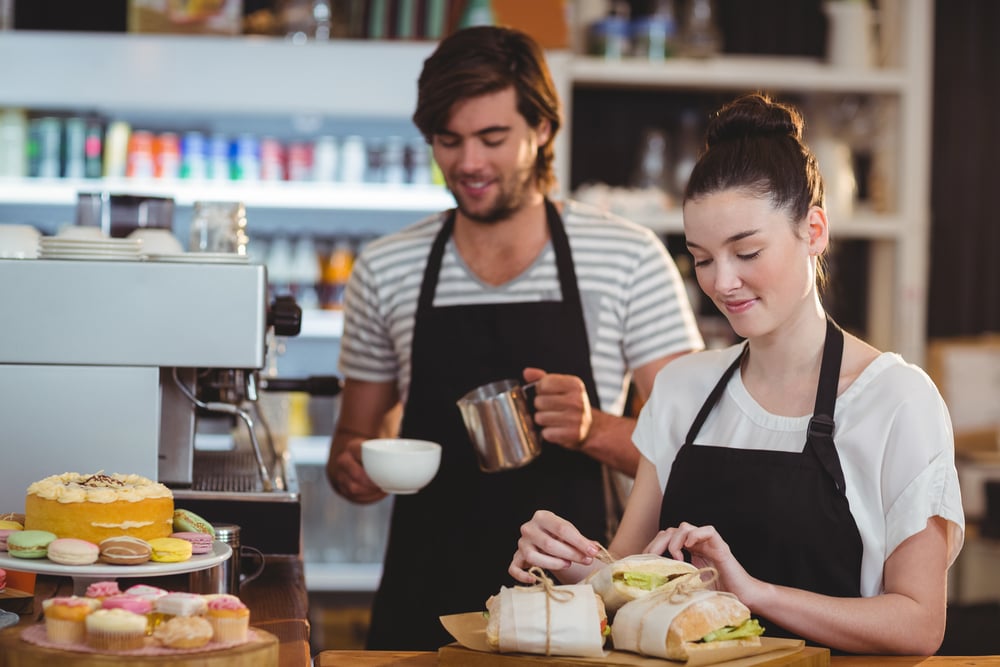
102, 589
131, 603
230, 619
180, 604
65, 618
115, 630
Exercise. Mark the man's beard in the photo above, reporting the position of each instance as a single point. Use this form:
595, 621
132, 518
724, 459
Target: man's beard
509, 201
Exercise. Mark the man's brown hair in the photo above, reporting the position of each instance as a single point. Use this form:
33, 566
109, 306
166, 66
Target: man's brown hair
483, 60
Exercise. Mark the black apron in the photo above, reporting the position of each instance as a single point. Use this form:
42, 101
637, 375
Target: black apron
784, 515
451, 543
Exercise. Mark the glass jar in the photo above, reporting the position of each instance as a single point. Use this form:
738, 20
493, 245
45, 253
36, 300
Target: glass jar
219, 227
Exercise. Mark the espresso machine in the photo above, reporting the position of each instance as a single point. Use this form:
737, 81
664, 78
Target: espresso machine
111, 365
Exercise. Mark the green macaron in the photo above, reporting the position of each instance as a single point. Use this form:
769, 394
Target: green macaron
188, 521
29, 543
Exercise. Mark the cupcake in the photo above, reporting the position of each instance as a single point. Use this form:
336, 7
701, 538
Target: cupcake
184, 632
230, 619
132, 603
102, 589
180, 604
65, 618
115, 630
145, 592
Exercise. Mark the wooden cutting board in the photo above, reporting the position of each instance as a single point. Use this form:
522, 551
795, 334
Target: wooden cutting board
458, 656
14, 652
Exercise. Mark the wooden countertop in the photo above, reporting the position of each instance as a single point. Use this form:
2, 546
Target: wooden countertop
277, 600
427, 659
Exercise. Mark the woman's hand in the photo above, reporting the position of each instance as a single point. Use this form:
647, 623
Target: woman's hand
707, 549
551, 543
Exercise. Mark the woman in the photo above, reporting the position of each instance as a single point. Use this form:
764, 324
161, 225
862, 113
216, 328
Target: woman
818, 475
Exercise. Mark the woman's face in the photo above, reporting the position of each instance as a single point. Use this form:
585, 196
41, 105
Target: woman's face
752, 261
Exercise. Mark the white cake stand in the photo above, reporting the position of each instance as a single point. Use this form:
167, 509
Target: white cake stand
84, 575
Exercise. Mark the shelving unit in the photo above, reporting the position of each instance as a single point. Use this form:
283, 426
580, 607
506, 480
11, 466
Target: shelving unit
358, 82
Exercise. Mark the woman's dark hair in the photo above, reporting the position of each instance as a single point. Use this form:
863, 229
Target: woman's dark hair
755, 144
483, 60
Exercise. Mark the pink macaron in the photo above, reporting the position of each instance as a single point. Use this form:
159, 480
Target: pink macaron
71, 551
4, 532
201, 543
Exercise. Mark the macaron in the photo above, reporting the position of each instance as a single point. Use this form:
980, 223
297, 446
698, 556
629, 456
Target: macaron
201, 543
124, 550
186, 521
29, 543
9, 524
4, 533
13, 516
170, 550
71, 551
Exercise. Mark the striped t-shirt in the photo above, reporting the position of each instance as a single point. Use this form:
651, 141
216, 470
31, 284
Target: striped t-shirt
634, 303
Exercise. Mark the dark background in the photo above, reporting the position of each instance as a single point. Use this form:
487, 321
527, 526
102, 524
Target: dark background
964, 284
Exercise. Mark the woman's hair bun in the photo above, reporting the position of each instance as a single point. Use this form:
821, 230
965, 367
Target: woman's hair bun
753, 115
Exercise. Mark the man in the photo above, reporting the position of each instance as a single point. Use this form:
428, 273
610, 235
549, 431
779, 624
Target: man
507, 285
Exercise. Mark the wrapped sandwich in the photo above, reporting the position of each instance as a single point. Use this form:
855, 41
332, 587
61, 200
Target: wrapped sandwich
637, 576
547, 619
677, 626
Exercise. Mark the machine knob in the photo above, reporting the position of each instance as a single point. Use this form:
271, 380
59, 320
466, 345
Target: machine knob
285, 316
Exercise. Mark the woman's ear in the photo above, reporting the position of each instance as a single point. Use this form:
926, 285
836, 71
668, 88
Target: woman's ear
817, 230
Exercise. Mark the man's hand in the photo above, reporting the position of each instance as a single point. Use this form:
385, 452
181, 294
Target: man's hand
562, 408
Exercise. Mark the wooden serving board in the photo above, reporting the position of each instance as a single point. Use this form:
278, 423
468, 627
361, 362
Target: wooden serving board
15, 652
17, 601
454, 655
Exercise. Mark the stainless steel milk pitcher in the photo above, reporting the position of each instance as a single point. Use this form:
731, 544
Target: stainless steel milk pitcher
498, 417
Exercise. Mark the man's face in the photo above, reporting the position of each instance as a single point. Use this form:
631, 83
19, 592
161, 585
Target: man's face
487, 154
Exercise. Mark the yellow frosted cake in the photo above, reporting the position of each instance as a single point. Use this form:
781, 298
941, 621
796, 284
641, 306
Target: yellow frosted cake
95, 507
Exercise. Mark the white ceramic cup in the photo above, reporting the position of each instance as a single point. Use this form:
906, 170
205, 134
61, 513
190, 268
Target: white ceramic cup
18, 241
400, 465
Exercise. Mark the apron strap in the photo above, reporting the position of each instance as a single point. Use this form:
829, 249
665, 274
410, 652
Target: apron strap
428, 286
819, 436
713, 398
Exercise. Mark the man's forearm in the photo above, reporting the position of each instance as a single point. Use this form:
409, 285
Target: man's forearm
610, 442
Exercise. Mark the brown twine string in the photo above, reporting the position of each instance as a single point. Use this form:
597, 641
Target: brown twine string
543, 582
604, 555
686, 585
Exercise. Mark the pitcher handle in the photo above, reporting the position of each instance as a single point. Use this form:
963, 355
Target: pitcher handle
259, 555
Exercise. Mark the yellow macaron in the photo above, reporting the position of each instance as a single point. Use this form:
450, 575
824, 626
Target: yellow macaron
170, 550
10, 525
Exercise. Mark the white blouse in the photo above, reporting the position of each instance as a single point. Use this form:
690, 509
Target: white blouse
893, 435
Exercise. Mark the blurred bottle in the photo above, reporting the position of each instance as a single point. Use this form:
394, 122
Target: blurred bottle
477, 12
75, 146
218, 158
353, 160
326, 156
375, 172
167, 155
336, 271
139, 162
244, 158
653, 169
609, 37
305, 272
272, 160
13, 143
654, 36
300, 159
688, 150
219, 227
194, 157
701, 37
418, 162
279, 266
116, 149
47, 136
394, 167
93, 149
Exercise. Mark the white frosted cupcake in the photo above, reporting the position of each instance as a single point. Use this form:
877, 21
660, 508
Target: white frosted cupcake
115, 630
180, 604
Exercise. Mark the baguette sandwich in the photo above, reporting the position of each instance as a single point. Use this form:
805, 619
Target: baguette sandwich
637, 576
553, 620
704, 620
